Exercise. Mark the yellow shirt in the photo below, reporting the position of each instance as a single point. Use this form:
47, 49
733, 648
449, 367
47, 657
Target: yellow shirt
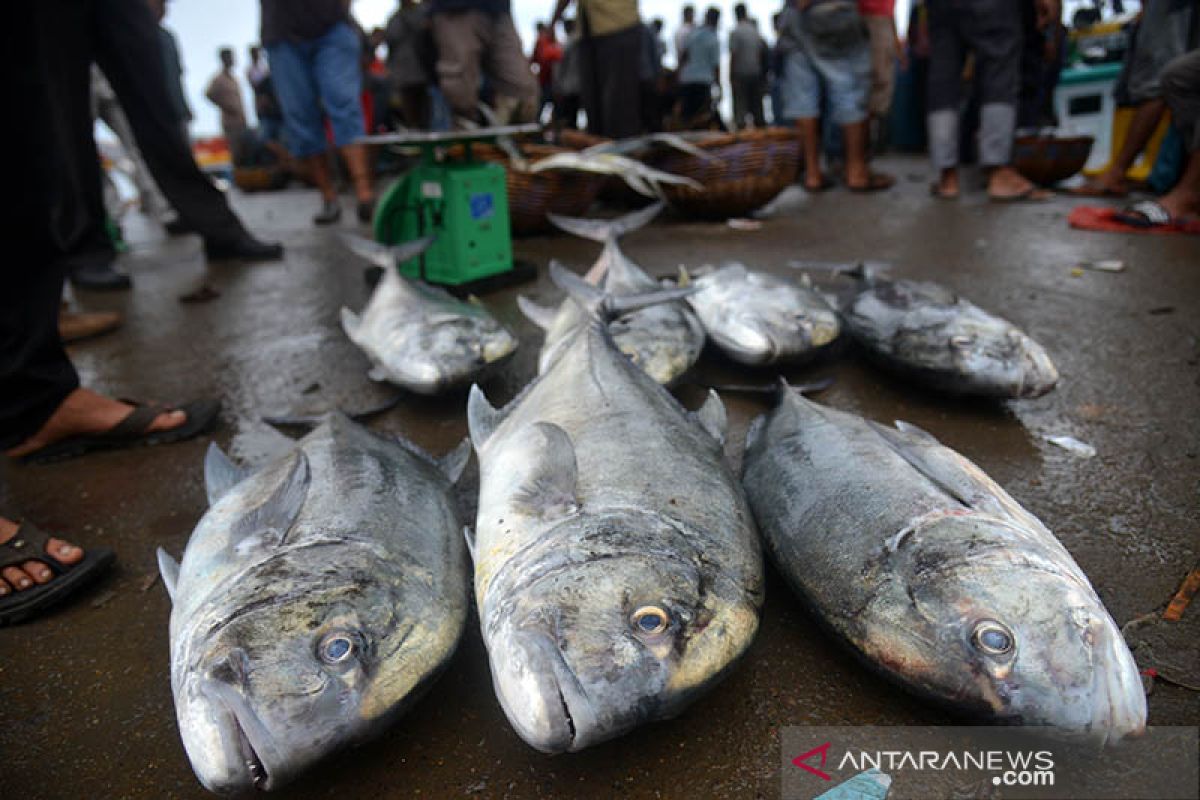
609, 16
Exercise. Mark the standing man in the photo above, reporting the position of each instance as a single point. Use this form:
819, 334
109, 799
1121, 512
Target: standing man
610, 47
224, 93
992, 29
886, 48
701, 69
747, 69
476, 38
546, 55
410, 60
684, 32
315, 51
266, 104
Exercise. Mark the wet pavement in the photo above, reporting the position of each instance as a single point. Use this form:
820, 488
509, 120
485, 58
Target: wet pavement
85, 702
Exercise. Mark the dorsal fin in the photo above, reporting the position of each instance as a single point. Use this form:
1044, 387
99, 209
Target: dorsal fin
220, 473
603, 230
541, 316
455, 461
350, 322
606, 306
482, 419
386, 256
712, 417
169, 569
550, 491
270, 522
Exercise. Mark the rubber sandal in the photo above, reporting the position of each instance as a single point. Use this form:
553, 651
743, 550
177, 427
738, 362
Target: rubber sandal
876, 182
1146, 214
1033, 194
825, 184
1090, 190
29, 544
132, 432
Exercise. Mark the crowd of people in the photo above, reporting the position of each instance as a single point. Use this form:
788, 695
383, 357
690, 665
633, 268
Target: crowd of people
319, 82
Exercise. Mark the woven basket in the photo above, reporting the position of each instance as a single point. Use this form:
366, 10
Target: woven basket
1046, 160
532, 194
752, 167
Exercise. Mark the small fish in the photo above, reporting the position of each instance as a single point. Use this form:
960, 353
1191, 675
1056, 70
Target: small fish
617, 570
417, 336
935, 575
642, 179
315, 600
757, 318
663, 338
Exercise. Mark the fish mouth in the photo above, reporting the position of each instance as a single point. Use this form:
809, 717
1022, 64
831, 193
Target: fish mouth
542, 698
246, 729
1120, 701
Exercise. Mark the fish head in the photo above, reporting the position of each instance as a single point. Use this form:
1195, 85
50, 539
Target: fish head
1002, 359
625, 626
446, 351
298, 663
1011, 628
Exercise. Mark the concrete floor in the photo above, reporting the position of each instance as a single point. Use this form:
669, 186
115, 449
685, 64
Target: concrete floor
85, 703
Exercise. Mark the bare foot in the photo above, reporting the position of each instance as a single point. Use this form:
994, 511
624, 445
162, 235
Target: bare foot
946, 186
85, 412
1107, 184
34, 572
1005, 183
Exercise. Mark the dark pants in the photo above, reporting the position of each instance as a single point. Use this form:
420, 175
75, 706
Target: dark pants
992, 29
610, 76
748, 101
694, 99
1180, 81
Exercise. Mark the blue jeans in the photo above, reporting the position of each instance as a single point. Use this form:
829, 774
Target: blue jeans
322, 75
846, 81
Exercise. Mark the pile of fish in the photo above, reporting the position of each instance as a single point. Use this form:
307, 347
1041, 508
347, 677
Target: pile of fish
616, 557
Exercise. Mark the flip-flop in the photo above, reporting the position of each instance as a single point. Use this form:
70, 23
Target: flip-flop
1146, 214
133, 432
936, 191
1090, 190
876, 182
826, 183
29, 544
1033, 194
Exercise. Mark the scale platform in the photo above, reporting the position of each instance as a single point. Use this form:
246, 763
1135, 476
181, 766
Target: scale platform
464, 203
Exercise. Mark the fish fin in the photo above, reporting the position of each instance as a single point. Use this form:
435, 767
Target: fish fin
168, 567
270, 522
482, 419
454, 462
539, 315
220, 473
469, 538
712, 417
685, 279
550, 492
602, 230
606, 306
475, 301
386, 256
377, 374
805, 280
350, 322
755, 431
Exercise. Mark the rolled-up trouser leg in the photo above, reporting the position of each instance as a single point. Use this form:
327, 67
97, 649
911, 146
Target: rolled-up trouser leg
993, 31
945, 79
460, 49
1180, 82
510, 72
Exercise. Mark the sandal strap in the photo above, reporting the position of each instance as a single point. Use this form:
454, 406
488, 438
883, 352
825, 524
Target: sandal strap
136, 422
29, 544
1154, 213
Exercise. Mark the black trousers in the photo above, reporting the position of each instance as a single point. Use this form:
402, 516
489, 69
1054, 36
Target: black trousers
610, 71
57, 219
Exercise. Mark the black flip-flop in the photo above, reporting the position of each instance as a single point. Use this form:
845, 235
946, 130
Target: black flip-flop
876, 182
1145, 214
133, 432
29, 544
1034, 194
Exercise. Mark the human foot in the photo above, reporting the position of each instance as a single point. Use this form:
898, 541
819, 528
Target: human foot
33, 572
946, 186
1104, 185
1006, 184
85, 413
74, 326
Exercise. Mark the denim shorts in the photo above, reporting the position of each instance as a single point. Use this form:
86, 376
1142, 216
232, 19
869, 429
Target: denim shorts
845, 79
319, 78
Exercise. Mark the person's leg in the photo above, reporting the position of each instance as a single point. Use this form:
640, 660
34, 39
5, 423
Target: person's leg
741, 102
459, 49
619, 55
1181, 90
33, 572
293, 76
590, 76
944, 85
847, 82
800, 98
514, 83
338, 74
756, 103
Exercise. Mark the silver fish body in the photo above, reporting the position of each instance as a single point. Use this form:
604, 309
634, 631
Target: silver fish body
665, 339
932, 573
757, 318
947, 342
617, 570
315, 599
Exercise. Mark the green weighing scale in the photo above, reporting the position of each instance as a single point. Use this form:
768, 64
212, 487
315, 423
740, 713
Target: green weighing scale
463, 203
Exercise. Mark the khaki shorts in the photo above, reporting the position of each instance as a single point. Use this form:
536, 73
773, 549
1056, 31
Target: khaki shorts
883, 65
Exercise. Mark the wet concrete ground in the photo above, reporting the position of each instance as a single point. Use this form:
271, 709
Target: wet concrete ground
85, 702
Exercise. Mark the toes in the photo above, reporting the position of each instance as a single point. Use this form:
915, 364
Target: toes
5, 589
64, 552
168, 420
37, 570
17, 578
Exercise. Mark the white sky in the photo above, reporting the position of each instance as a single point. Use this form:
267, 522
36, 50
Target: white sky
202, 26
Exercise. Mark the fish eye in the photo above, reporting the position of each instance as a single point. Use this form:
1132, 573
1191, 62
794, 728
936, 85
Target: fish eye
336, 648
650, 620
992, 638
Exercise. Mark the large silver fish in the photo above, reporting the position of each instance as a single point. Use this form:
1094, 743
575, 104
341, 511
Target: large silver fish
315, 598
935, 575
617, 569
945, 341
418, 336
664, 339
757, 318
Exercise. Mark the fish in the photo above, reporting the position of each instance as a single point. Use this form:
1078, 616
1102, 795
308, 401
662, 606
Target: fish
316, 599
760, 319
945, 341
420, 337
643, 179
618, 574
934, 575
663, 338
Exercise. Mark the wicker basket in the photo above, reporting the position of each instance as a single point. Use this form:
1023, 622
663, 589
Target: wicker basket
1046, 160
532, 194
752, 167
